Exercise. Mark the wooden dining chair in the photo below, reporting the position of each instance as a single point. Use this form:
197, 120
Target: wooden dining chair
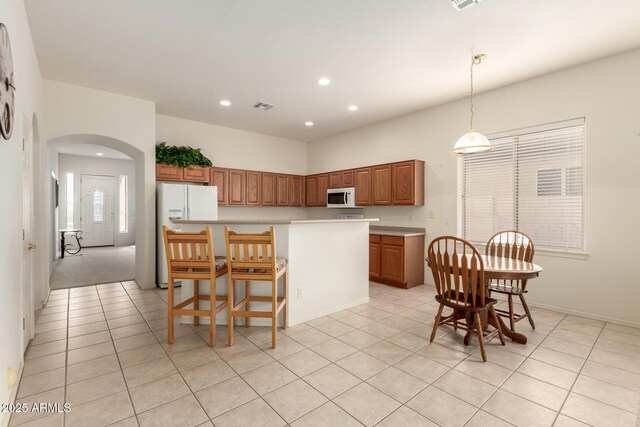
516, 245
252, 257
190, 256
458, 274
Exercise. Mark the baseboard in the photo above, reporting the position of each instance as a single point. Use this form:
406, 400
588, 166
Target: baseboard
583, 314
188, 320
6, 416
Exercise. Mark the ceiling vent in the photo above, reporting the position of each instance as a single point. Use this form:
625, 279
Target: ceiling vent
263, 106
462, 4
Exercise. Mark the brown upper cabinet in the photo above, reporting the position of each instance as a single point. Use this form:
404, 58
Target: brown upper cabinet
346, 178
408, 183
282, 190
166, 172
311, 184
220, 179
237, 187
334, 180
268, 197
296, 190
196, 174
363, 186
381, 185
253, 188
323, 185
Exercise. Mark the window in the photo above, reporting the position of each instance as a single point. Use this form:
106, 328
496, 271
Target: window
98, 206
532, 181
70, 191
123, 218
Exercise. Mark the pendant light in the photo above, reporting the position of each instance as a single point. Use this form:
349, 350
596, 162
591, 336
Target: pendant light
472, 141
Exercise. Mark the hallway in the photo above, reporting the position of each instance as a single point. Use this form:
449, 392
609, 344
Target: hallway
93, 266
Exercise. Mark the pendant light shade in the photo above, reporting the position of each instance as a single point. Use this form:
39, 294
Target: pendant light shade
472, 141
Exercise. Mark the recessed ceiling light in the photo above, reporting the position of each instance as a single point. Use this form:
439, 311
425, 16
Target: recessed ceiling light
308, 124
324, 81
353, 108
99, 154
225, 103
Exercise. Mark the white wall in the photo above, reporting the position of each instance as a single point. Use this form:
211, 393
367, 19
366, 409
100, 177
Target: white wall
80, 165
606, 93
76, 114
28, 105
233, 148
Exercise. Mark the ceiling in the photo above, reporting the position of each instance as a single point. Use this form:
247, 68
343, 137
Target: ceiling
389, 57
91, 150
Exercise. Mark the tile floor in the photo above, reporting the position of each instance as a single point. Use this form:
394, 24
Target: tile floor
103, 350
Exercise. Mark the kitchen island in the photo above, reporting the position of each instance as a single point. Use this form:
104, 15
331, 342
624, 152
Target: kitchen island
327, 270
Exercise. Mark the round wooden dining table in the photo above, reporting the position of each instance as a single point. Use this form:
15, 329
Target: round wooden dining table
498, 268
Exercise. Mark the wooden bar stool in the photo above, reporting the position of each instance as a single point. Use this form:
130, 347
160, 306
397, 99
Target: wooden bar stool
190, 256
252, 257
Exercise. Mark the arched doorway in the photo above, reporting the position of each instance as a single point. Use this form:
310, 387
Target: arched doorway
143, 250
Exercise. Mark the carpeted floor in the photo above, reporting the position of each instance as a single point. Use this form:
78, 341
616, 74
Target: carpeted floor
94, 265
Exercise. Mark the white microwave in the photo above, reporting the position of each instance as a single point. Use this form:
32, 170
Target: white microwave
341, 197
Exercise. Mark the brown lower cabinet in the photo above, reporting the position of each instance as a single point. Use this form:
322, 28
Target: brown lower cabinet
396, 260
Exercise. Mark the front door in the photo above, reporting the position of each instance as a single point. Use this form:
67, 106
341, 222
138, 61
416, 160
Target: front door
98, 217
27, 244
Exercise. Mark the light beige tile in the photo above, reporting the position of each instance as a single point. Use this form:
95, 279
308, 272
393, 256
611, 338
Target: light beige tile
89, 339
225, 396
356, 320
564, 421
51, 396
84, 320
135, 341
333, 350
125, 321
54, 420
518, 411
248, 360
332, 380
441, 408
574, 337
184, 412
484, 419
294, 400
380, 330
127, 331
304, 362
597, 413
47, 349
89, 353
41, 382
146, 372
92, 368
621, 361
387, 352
408, 341
568, 347
404, 416
498, 355
422, 368
335, 328
485, 371
612, 375
87, 329
613, 395
397, 384
95, 388
359, 339
122, 312
85, 311
362, 365
43, 364
101, 412
310, 337
286, 347
45, 337
556, 358
548, 373
319, 417
268, 377
195, 357
184, 343
158, 392
467, 388
537, 391
141, 355
204, 376
443, 355
44, 318
254, 413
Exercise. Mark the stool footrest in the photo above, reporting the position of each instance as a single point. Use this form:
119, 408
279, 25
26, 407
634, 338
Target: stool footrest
266, 314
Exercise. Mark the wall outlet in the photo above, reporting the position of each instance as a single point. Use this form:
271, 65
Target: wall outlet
431, 214
299, 292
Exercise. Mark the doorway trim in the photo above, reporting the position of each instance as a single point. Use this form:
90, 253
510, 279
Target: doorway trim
27, 246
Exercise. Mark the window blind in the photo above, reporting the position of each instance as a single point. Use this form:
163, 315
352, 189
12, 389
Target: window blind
533, 181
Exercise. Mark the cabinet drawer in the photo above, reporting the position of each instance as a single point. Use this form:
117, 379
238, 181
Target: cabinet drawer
393, 240
374, 238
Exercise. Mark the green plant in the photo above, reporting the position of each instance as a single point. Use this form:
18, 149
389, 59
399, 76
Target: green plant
180, 155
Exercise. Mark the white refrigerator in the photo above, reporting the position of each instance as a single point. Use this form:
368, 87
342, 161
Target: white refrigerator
181, 201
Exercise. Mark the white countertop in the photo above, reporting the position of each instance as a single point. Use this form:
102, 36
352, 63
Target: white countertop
397, 231
275, 221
